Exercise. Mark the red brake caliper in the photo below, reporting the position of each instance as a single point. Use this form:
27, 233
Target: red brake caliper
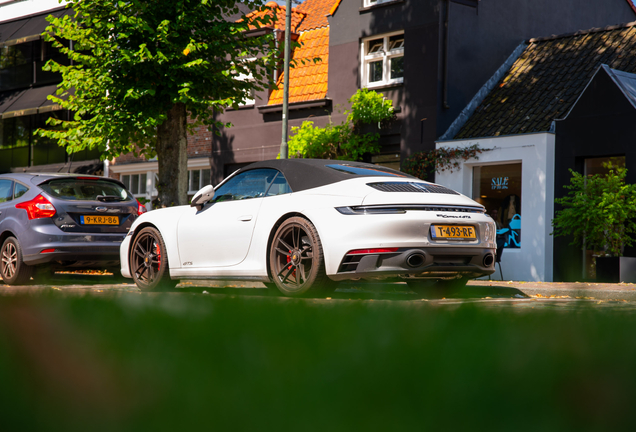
289, 261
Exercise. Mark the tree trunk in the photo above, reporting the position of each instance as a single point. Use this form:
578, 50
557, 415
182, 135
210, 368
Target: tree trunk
173, 158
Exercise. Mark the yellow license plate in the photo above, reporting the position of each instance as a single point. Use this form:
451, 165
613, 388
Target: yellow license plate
99, 220
453, 232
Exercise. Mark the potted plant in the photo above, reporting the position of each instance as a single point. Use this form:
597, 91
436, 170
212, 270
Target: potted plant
598, 212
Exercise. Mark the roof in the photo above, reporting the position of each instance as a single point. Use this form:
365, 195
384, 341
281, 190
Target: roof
308, 77
626, 82
303, 174
546, 80
277, 15
28, 28
27, 101
316, 12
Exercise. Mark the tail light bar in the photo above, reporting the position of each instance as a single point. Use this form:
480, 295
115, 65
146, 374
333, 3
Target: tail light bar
38, 207
372, 251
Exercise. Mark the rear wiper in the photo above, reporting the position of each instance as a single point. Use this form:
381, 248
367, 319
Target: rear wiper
108, 198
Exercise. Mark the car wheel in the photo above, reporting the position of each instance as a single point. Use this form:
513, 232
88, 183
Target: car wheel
14, 271
296, 261
149, 262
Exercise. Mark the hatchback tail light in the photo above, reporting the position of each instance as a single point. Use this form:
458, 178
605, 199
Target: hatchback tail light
141, 209
38, 207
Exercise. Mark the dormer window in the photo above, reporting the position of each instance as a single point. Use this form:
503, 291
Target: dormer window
383, 60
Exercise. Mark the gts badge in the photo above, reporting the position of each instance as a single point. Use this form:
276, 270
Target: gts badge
187, 263
453, 217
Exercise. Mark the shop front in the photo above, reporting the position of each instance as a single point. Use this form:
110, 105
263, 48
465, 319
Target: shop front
514, 179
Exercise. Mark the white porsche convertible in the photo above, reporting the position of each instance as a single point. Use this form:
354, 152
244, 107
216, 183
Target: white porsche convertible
304, 224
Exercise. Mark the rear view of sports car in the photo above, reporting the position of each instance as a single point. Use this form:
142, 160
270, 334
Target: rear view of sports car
302, 225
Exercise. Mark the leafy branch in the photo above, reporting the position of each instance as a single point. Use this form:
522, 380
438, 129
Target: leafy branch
598, 211
439, 160
346, 141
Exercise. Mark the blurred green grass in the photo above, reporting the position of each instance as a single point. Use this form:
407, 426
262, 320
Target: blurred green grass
182, 362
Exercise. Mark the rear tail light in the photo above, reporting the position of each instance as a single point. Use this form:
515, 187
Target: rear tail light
372, 251
141, 209
38, 207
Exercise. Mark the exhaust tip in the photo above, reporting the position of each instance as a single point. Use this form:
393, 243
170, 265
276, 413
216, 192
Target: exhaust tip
489, 260
415, 260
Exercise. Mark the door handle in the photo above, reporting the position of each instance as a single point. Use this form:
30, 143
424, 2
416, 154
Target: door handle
245, 218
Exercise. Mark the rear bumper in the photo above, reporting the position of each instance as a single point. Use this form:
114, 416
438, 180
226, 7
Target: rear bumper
100, 249
419, 263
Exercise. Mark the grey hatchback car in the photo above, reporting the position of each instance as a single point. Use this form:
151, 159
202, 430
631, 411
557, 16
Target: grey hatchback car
61, 220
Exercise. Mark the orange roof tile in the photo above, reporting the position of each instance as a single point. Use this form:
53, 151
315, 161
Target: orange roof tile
277, 16
307, 80
316, 13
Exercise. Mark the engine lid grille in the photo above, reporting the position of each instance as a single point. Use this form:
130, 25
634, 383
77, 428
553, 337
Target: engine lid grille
411, 187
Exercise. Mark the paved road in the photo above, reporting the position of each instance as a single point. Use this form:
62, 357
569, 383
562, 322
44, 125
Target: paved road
483, 292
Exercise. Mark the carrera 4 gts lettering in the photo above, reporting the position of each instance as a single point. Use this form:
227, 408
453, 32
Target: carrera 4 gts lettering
453, 216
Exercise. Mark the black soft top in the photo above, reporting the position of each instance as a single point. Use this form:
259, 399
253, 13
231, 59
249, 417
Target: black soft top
303, 174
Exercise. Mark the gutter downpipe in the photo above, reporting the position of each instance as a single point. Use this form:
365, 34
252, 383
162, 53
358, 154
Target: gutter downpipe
284, 150
446, 32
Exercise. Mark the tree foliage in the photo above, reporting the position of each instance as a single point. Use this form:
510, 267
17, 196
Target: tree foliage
136, 65
598, 211
446, 158
346, 141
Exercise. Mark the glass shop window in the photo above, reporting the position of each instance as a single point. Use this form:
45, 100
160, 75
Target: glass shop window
498, 188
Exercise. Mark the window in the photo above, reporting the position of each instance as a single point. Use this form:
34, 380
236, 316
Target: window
252, 184
498, 188
19, 190
383, 60
6, 190
135, 183
81, 190
248, 99
197, 179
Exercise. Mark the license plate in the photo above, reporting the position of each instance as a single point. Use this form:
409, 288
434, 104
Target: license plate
99, 220
453, 232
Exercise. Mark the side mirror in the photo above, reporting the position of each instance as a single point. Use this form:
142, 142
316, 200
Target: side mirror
203, 196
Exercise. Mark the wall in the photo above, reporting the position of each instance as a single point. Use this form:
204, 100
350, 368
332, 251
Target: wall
600, 124
533, 261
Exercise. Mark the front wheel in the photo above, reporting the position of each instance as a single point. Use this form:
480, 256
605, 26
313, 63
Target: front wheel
14, 271
149, 262
296, 260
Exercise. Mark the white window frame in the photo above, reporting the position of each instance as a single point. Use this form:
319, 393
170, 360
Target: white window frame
151, 181
249, 101
385, 55
369, 3
203, 180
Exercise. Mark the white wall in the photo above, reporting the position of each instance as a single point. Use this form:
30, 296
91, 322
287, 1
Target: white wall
533, 261
10, 9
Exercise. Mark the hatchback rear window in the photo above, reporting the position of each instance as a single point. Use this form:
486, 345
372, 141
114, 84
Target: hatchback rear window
86, 190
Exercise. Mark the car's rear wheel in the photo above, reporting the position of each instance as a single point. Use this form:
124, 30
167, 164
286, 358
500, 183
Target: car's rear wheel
296, 260
149, 262
14, 271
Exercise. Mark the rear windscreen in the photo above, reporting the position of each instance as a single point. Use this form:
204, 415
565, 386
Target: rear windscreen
367, 171
86, 190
